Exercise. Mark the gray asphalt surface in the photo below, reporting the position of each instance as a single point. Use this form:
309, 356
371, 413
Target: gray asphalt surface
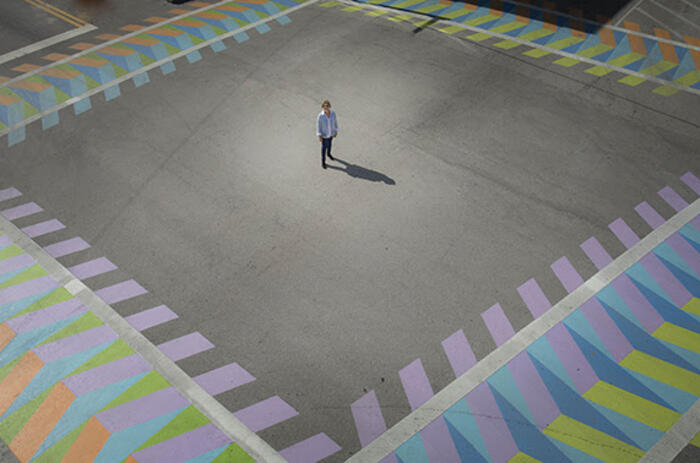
468, 171
22, 24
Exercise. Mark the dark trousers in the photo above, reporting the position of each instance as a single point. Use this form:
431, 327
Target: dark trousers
325, 148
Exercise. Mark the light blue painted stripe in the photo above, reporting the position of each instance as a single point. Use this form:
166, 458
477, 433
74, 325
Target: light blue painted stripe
644, 436
680, 400
241, 37
283, 20
25, 341
262, 28
412, 451
504, 383
81, 106
167, 68
141, 79
8, 310
579, 323
688, 355
638, 272
542, 351
460, 417
208, 457
6, 276
49, 120
16, 136
608, 296
112, 92
193, 56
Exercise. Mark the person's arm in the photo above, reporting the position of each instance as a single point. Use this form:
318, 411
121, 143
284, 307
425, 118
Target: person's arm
318, 128
335, 125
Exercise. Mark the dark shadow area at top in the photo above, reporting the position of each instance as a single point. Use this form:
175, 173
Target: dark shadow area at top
356, 171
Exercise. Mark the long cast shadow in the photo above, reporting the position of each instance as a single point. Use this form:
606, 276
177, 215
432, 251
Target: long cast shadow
353, 170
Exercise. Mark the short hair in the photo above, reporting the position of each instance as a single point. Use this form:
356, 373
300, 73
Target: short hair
325, 102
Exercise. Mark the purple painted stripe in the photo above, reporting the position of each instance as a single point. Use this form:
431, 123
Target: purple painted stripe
26, 289
391, 458
224, 379
69, 246
43, 228
109, 373
151, 317
596, 252
142, 409
369, 421
74, 344
543, 408
311, 450
637, 303
415, 384
534, 298
185, 346
649, 214
567, 274
496, 321
16, 263
572, 358
120, 292
4, 241
92, 268
21, 211
613, 339
692, 181
663, 276
437, 441
673, 199
9, 193
459, 353
264, 414
185, 446
696, 222
687, 252
47, 315
490, 422
624, 233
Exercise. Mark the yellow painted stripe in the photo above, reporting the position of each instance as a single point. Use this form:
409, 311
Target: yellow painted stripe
693, 306
352, 8
534, 35
594, 51
690, 78
451, 29
658, 68
424, 22
376, 13
566, 62
632, 81
624, 60
407, 3
457, 13
36, 4
479, 36
633, 406
481, 20
665, 90
563, 43
62, 12
507, 44
431, 8
399, 18
662, 371
679, 336
536, 53
503, 28
329, 4
696, 440
599, 71
521, 457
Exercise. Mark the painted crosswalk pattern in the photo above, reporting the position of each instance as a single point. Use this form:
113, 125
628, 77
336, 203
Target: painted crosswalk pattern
604, 384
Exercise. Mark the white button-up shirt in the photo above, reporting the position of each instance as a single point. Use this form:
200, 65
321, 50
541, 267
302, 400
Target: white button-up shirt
326, 126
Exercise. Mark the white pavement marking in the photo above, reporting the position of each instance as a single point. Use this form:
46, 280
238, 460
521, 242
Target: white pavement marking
436, 406
697, 7
632, 8
217, 413
36, 46
658, 22
673, 13
676, 438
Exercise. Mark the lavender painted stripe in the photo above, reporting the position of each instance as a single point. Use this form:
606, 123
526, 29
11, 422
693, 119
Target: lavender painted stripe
637, 303
109, 373
459, 353
21, 211
534, 298
224, 379
4, 241
490, 422
264, 414
92, 268
496, 321
391, 458
673, 199
141, 410
185, 446
624, 233
369, 421
311, 450
9, 193
185, 346
43, 228
606, 329
120, 292
696, 222
437, 441
45, 316
415, 384
26, 289
74, 344
543, 408
663, 276
572, 358
151, 317
688, 253
596, 252
649, 215
692, 181
16, 263
63, 248
567, 274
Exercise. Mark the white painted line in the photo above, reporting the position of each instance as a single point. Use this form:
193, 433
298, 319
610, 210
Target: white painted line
217, 413
436, 406
697, 7
658, 22
629, 10
36, 46
676, 438
673, 13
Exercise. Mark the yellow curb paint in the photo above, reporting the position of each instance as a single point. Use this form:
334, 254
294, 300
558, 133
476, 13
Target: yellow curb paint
632, 81
399, 18
451, 29
376, 13
536, 53
693, 306
507, 44
479, 36
665, 90
566, 62
423, 23
595, 51
350, 9
662, 371
329, 4
679, 336
598, 71
696, 440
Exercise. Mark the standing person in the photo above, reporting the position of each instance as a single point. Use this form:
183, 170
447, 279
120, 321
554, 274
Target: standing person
326, 129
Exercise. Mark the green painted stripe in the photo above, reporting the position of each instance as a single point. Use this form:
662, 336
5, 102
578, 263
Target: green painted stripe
536, 53
598, 71
666, 90
566, 62
117, 350
188, 420
406, 4
152, 382
10, 426
502, 29
658, 68
595, 51
32, 273
693, 306
662, 371
6, 369
451, 29
534, 35
451, 14
10, 251
507, 44
481, 20
563, 43
54, 297
233, 454
479, 36
86, 322
679, 336
696, 440
521, 457
431, 8
632, 81
57, 451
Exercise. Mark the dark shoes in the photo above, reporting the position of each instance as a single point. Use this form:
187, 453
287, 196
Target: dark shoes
331, 157
323, 165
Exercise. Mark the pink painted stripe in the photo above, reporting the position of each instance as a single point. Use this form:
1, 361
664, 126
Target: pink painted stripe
692, 181
496, 321
613, 339
46, 316
663, 276
185, 346
415, 384
16, 263
459, 353
267, 413
26, 289
4, 241
184, 447
624, 233
567, 274
151, 317
69, 246
43, 228
74, 344
224, 379
686, 251
9, 193
534, 298
575, 363
649, 214
142, 409
673, 199
21, 211
596, 252
637, 303
437, 441
311, 450
491, 423
120, 292
109, 373
92, 268
369, 421
543, 408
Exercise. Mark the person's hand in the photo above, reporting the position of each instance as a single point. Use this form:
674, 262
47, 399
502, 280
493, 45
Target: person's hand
320, 138
335, 134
